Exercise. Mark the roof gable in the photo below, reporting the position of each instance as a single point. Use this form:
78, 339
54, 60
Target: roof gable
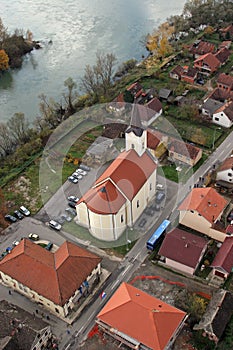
208, 59
206, 201
227, 164
56, 276
224, 257
184, 149
141, 316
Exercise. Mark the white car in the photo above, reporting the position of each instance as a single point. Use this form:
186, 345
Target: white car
34, 236
24, 211
55, 225
82, 172
77, 176
73, 179
15, 243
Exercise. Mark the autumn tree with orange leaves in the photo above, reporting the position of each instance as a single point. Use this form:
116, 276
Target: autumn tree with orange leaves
4, 60
158, 42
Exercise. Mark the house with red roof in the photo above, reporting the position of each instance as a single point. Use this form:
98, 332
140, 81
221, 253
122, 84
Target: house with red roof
139, 320
156, 142
201, 47
189, 250
56, 280
225, 171
207, 64
223, 116
227, 31
180, 151
223, 262
223, 55
201, 211
120, 195
225, 82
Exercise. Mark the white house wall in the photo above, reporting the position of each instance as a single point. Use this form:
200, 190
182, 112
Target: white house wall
181, 267
225, 175
82, 214
194, 221
223, 120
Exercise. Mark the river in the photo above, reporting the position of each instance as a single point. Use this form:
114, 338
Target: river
77, 29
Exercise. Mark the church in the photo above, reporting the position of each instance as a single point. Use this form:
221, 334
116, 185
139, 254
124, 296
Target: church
120, 195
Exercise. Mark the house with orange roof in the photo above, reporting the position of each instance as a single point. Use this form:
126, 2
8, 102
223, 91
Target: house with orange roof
201, 210
189, 250
207, 64
156, 142
139, 320
180, 151
225, 171
201, 47
120, 195
56, 280
223, 116
223, 262
225, 82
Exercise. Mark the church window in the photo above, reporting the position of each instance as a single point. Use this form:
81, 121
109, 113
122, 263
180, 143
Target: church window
122, 218
137, 203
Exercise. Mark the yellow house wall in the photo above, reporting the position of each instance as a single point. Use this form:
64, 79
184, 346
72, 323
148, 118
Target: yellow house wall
194, 221
217, 235
82, 214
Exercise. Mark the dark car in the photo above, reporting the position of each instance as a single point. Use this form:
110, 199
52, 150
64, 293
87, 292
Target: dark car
71, 211
72, 204
142, 223
10, 218
159, 197
149, 211
84, 167
18, 215
49, 246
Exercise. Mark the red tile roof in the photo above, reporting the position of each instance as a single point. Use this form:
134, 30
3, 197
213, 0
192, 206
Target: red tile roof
122, 179
185, 149
223, 54
224, 257
55, 276
154, 138
227, 164
202, 48
206, 201
141, 316
178, 70
136, 89
188, 247
208, 59
225, 79
154, 105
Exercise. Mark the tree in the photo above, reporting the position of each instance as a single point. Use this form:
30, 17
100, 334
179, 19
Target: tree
4, 60
3, 31
71, 85
128, 96
18, 126
158, 42
98, 79
7, 144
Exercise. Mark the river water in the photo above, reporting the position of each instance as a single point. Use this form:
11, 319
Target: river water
77, 28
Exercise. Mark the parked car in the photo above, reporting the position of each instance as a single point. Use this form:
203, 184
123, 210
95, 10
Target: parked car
77, 176
15, 243
10, 218
18, 215
159, 197
8, 250
73, 199
73, 179
81, 171
72, 204
142, 223
66, 217
84, 167
49, 246
160, 187
24, 210
55, 225
33, 236
149, 211
71, 211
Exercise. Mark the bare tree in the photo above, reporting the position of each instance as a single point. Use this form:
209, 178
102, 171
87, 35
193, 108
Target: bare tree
18, 126
7, 143
71, 85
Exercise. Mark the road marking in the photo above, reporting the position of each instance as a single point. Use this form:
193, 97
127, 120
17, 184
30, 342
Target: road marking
115, 283
126, 270
90, 316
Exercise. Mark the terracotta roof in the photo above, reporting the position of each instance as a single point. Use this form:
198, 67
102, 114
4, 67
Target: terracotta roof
229, 229
224, 257
154, 138
177, 70
225, 79
122, 179
183, 148
202, 48
206, 201
223, 54
210, 60
154, 105
225, 43
56, 276
226, 164
136, 89
141, 316
189, 72
188, 250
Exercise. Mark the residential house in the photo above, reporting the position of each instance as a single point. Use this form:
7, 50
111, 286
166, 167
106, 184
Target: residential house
210, 106
221, 95
189, 75
20, 330
188, 252
156, 143
225, 81
200, 48
218, 313
176, 72
224, 115
201, 209
180, 151
120, 195
226, 44
114, 130
223, 261
223, 55
207, 64
139, 320
153, 109
225, 171
55, 280
136, 89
